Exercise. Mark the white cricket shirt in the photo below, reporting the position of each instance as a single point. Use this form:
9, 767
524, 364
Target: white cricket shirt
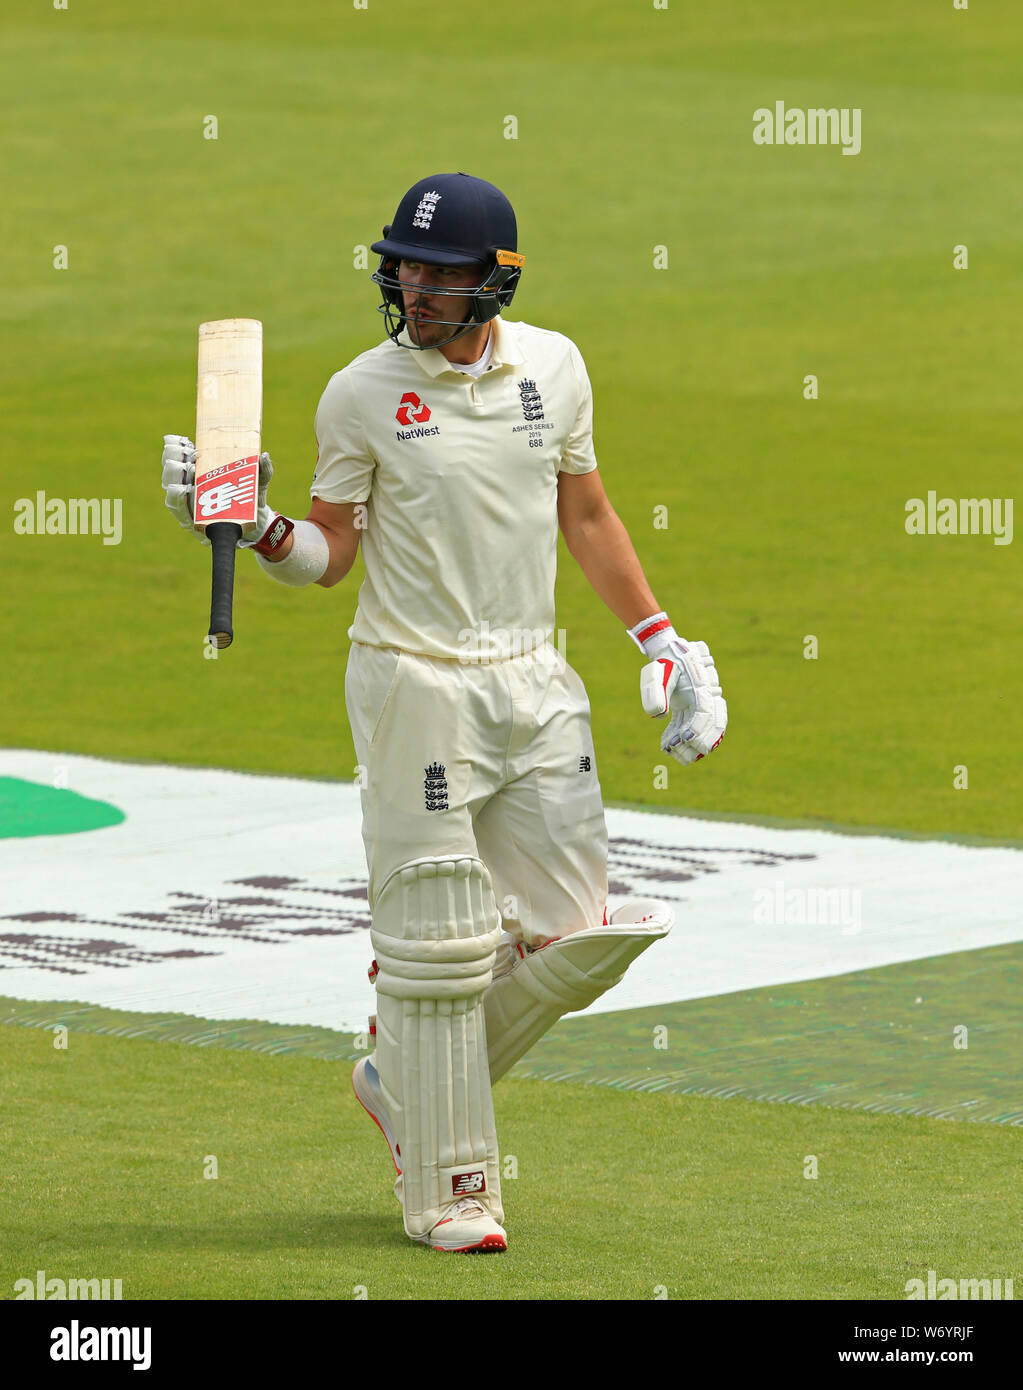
460, 480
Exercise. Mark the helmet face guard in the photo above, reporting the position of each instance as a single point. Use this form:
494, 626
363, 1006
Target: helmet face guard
486, 299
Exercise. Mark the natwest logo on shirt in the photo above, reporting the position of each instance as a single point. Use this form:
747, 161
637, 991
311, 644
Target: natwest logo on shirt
413, 413
412, 408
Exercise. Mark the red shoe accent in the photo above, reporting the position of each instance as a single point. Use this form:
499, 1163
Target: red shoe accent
489, 1245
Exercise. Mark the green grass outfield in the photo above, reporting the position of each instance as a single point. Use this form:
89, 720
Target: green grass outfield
703, 1197
786, 517
617, 1196
939, 1038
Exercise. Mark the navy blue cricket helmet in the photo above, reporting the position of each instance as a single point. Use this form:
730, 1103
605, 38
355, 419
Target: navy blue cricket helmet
454, 220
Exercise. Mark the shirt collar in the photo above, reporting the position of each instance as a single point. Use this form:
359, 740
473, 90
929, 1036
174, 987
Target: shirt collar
505, 350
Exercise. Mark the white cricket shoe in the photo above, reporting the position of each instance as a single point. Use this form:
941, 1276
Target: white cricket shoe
370, 1095
467, 1228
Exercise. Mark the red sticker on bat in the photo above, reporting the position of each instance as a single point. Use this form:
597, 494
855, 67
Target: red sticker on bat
228, 493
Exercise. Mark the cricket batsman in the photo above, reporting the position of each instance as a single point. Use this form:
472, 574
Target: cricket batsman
454, 450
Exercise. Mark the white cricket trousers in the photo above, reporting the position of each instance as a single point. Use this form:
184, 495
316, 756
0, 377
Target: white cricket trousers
491, 760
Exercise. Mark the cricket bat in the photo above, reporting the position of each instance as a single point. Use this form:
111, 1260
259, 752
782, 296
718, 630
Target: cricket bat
228, 420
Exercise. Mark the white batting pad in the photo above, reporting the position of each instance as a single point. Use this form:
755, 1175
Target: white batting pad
435, 932
566, 975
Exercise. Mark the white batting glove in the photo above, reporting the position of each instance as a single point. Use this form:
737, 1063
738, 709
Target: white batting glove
179, 481
682, 680
179, 487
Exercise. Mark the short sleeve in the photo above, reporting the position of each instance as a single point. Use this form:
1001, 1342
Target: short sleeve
344, 464
577, 455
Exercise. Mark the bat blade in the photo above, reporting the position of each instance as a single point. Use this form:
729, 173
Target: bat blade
228, 421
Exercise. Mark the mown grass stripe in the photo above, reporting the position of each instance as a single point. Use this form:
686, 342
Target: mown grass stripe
855, 1042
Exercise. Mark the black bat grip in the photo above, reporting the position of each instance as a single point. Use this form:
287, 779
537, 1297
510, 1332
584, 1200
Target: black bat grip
223, 537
